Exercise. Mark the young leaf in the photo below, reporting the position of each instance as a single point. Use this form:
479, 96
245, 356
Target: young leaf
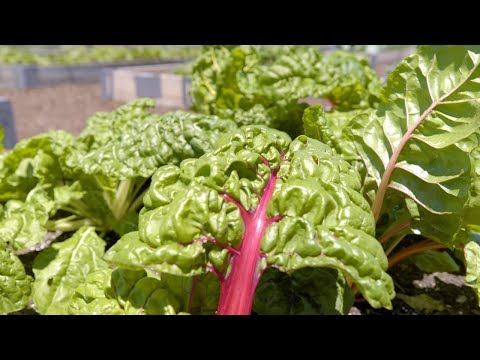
418, 141
60, 269
258, 200
15, 284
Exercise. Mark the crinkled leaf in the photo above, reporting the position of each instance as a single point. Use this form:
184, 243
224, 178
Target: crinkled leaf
472, 257
22, 224
439, 84
332, 129
90, 298
305, 292
431, 261
33, 161
15, 284
257, 87
323, 220
344, 78
60, 269
132, 142
124, 291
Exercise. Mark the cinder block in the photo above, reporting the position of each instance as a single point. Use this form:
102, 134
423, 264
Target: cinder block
7, 123
106, 84
27, 76
148, 85
123, 84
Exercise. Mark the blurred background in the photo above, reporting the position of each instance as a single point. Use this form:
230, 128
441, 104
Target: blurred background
45, 87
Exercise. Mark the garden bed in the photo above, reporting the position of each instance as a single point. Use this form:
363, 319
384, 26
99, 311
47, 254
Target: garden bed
29, 76
156, 81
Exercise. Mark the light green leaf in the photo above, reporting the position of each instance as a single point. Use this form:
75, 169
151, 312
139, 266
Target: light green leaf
60, 269
15, 284
420, 137
332, 129
472, 211
23, 224
255, 85
90, 298
133, 292
38, 160
132, 142
472, 257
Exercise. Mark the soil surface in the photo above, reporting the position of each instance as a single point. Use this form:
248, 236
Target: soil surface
65, 107
418, 293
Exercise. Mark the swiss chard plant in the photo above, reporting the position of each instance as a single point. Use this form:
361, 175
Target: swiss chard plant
257, 202
253, 86
184, 213
416, 151
55, 182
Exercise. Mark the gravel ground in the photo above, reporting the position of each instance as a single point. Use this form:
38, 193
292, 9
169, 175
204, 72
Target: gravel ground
65, 107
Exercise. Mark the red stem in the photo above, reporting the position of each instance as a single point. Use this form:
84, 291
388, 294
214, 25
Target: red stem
238, 288
412, 250
245, 214
394, 231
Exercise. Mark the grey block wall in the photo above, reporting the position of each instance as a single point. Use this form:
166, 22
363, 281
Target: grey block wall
28, 76
7, 123
148, 85
166, 88
106, 84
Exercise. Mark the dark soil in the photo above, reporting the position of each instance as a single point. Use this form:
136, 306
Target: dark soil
449, 289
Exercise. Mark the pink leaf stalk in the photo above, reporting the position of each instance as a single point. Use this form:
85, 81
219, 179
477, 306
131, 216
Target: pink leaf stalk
237, 289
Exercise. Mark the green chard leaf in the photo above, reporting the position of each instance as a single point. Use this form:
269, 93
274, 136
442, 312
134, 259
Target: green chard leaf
133, 292
417, 144
132, 142
34, 161
23, 224
254, 87
60, 269
119, 151
305, 199
15, 284
307, 291
472, 211
472, 257
431, 261
422, 302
